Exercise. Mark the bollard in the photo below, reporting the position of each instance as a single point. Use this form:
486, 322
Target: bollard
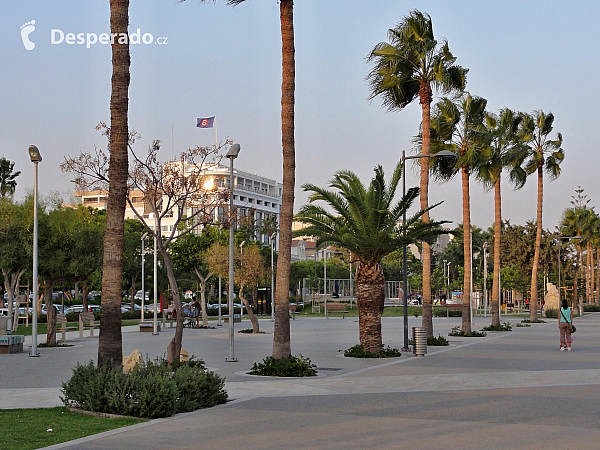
419, 341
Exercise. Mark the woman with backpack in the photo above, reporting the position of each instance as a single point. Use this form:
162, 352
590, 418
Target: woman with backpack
565, 321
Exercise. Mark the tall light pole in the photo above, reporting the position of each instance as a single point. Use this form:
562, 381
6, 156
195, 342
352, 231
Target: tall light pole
36, 158
156, 234
485, 247
272, 237
566, 238
144, 236
232, 154
241, 253
441, 154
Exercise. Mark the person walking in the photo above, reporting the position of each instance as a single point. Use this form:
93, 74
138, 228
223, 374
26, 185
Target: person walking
565, 320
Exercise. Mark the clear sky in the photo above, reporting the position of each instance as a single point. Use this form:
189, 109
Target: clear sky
224, 61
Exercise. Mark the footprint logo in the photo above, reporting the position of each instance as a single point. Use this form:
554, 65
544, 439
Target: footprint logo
26, 30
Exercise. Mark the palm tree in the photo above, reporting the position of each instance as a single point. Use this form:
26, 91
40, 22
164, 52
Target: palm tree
542, 155
7, 177
412, 66
110, 350
281, 331
458, 127
365, 221
504, 136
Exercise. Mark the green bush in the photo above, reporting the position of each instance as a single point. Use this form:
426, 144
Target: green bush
294, 366
385, 352
151, 390
591, 308
532, 321
456, 331
504, 326
443, 312
523, 325
439, 341
551, 313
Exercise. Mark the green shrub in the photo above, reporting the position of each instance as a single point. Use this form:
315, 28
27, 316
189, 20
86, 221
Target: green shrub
523, 325
591, 308
151, 390
443, 312
532, 321
456, 331
294, 366
504, 326
385, 352
551, 313
439, 341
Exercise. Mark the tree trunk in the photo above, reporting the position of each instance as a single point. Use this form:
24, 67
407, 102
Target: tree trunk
110, 346
538, 242
251, 315
85, 290
468, 263
588, 282
50, 312
203, 281
370, 297
281, 333
174, 347
425, 99
497, 250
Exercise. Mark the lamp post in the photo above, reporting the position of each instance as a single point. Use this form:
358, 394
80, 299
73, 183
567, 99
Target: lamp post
485, 247
566, 238
441, 154
144, 236
156, 234
241, 306
232, 154
36, 158
273, 236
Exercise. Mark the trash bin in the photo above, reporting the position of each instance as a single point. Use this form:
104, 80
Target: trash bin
419, 341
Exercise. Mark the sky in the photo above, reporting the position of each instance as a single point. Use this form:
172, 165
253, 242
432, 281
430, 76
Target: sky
209, 59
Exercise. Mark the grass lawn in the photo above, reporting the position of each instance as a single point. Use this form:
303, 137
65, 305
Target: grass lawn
22, 429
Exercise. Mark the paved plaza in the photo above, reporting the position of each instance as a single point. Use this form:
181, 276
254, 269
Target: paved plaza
507, 390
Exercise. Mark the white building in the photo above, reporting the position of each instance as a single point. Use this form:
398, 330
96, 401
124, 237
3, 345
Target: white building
253, 195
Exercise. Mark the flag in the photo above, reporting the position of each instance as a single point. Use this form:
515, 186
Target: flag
205, 122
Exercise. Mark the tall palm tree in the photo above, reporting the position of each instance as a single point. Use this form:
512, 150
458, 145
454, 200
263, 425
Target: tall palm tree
281, 331
7, 177
504, 136
365, 222
458, 127
542, 155
110, 350
412, 65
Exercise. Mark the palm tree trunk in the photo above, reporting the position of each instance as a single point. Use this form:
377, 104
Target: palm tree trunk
588, 279
281, 332
497, 246
370, 297
425, 99
110, 349
50, 312
538, 242
468, 263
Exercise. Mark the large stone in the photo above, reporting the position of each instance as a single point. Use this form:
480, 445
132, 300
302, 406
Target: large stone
551, 298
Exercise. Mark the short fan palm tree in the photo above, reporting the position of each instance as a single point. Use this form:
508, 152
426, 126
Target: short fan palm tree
367, 222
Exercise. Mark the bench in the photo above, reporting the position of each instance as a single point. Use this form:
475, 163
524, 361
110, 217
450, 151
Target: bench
335, 307
148, 327
453, 307
61, 325
293, 312
86, 317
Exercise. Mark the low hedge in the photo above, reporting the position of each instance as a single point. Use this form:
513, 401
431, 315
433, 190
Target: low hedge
151, 390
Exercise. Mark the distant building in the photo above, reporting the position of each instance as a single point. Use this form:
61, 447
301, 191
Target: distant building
253, 196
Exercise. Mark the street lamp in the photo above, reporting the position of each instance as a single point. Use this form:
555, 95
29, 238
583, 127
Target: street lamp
36, 158
144, 236
241, 253
156, 231
232, 154
566, 238
273, 236
485, 247
441, 154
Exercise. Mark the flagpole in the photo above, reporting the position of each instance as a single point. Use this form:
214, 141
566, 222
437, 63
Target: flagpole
216, 139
